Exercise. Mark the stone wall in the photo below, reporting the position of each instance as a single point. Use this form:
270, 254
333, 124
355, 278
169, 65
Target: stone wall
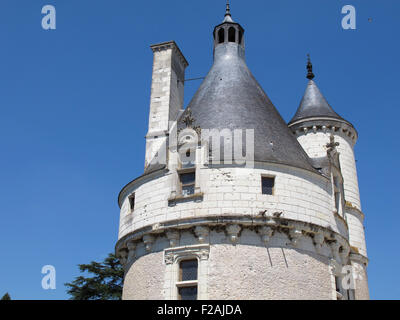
298, 195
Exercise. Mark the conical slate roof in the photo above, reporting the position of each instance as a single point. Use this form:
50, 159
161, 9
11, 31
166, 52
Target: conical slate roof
314, 105
230, 97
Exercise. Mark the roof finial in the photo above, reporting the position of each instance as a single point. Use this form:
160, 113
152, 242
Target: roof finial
228, 16
310, 74
228, 9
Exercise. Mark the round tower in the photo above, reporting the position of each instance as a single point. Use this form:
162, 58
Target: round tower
314, 124
230, 206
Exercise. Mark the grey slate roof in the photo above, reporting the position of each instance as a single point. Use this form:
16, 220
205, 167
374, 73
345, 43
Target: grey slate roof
313, 105
230, 97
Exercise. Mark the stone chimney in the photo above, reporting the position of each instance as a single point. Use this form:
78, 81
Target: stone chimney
166, 100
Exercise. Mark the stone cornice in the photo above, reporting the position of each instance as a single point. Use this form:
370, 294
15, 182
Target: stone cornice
233, 227
170, 45
319, 124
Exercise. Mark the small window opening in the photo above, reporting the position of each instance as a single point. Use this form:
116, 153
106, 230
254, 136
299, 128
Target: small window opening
187, 285
232, 34
240, 37
268, 184
132, 202
221, 35
336, 186
188, 181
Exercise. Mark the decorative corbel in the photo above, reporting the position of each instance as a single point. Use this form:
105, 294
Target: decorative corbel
233, 232
344, 253
148, 241
131, 250
123, 254
335, 249
295, 235
173, 236
169, 258
266, 234
319, 239
202, 233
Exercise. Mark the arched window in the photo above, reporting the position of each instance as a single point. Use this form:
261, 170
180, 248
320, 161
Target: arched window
232, 34
221, 35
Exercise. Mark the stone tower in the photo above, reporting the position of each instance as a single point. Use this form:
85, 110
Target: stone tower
231, 205
314, 123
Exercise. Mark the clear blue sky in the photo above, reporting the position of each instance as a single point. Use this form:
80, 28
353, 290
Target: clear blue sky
74, 107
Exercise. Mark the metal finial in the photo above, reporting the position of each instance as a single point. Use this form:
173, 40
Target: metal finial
310, 74
228, 9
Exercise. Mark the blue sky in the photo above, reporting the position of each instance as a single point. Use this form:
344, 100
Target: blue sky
74, 108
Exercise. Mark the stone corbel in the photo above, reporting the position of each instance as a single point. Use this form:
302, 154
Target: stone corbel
266, 234
324, 129
335, 250
169, 258
344, 253
173, 236
295, 235
314, 129
319, 239
204, 254
131, 250
148, 241
233, 232
123, 254
202, 233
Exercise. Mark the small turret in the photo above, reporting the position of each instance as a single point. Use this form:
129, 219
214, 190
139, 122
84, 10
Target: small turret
315, 124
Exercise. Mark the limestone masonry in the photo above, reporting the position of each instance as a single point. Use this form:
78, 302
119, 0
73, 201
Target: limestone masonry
206, 222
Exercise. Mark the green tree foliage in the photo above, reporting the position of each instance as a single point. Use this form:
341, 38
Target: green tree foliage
6, 297
104, 281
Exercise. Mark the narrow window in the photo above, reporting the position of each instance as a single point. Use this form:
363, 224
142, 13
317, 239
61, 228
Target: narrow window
336, 187
132, 202
337, 284
221, 35
187, 285
232, 34
188, 180
267, 184
240, 37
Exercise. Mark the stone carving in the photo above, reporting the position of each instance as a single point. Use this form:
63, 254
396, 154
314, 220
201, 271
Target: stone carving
295, 235
173, 236
148, 241
204, 254
188, 120
169, 258
344, 253
335, 250
266, 234
233, 233
331, 146
202, 233
319, 241
131, 250
172, 255
123, 254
